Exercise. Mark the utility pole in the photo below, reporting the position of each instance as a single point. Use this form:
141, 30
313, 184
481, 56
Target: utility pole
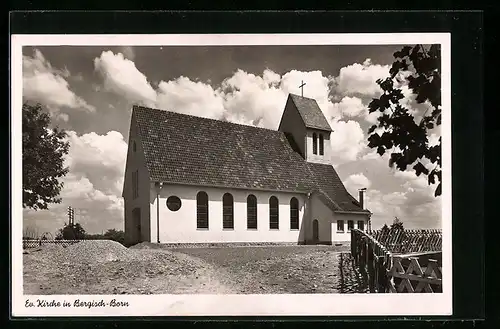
71, 216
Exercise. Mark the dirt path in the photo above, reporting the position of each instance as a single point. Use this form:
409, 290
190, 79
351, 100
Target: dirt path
264, 270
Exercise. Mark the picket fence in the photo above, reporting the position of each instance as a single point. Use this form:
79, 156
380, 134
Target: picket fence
409, 241
419, 270
35, 243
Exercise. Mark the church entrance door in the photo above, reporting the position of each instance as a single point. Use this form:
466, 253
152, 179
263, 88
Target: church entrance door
136, 215
315, 231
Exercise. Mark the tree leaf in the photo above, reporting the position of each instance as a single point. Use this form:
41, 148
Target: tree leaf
372, 129
420, 168
403, 130
438, 190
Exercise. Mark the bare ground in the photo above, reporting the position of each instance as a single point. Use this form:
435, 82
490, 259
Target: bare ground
95, 268
276, 269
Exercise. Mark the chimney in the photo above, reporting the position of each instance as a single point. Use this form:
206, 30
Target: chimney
361, 197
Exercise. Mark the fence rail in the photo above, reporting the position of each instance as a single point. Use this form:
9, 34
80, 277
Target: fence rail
414, 275
35, 243
390, 272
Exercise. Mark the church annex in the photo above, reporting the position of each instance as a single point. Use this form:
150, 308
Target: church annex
195, 180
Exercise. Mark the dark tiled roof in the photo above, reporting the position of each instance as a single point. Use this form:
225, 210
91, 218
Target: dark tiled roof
330, 185
310, 112
185, 149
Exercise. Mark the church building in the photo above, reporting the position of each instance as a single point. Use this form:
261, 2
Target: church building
196, 180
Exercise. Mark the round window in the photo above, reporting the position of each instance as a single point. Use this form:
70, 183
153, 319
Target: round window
173, 203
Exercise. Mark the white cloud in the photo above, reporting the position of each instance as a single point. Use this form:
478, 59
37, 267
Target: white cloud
44, 84
371, 154
414, 203
255, 100
271, 78
361, 79
412, 178
395, 193
355, 182
185, 96
373, 202
394, 199
93, 185
242, 98
354, 107
347, 140
122, 77
350, 107
93, 150
76, 187
128, 52
317, 85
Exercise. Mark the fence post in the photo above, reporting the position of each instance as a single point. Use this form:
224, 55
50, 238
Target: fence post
356, 249
371, 269
361, 252
380, 275
353, 243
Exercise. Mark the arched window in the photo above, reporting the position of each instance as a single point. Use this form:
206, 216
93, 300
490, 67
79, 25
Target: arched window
227, 211
251, 212
294, 214
274, 221
202, 210
315, 143
321, 144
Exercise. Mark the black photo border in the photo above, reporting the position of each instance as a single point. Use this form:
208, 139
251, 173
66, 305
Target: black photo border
466, 28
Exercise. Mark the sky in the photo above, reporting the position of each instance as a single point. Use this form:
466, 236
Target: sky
89, 91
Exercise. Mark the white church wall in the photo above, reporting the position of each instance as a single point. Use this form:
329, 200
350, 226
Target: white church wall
292, 123
180, 226
317, 158
327, 223
136, 161
345, 234
324, 216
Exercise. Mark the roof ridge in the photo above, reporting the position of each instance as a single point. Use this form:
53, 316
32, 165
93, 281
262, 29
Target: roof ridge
311, 113
203, 118
291, 94
304, 119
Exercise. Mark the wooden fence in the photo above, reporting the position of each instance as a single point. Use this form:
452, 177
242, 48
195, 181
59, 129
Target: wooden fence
409, 241
35, 243
388, 272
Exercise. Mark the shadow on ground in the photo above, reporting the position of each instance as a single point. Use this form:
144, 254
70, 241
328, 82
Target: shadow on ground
351, 280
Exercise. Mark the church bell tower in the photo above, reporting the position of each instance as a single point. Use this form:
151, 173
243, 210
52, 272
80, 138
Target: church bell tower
306, 129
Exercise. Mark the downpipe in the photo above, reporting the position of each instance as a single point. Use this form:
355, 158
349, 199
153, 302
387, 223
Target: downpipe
158, 189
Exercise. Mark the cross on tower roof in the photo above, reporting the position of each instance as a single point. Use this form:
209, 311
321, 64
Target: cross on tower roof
302, 88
